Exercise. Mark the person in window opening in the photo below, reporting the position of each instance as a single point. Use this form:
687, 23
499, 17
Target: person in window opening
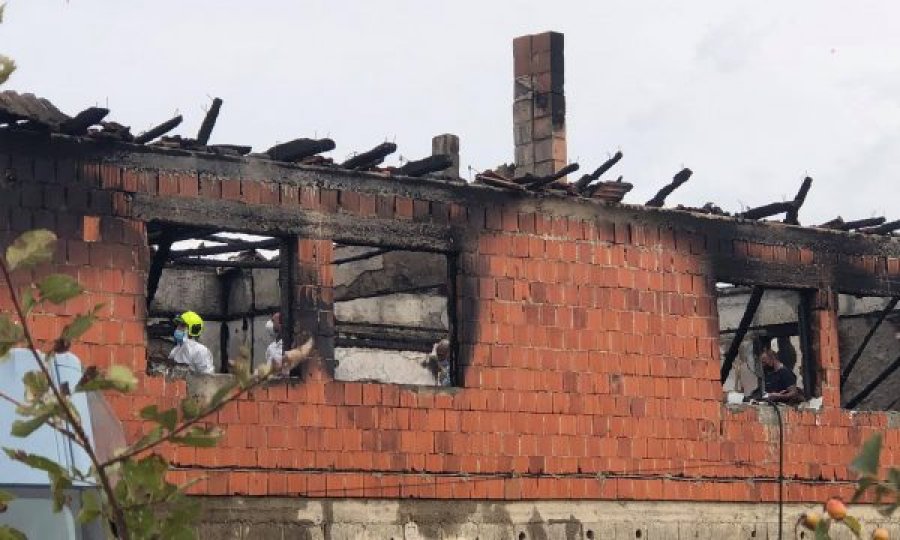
188, 351
780, 383
275, 350
438, 362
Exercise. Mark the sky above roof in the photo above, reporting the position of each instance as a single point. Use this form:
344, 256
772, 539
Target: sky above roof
751, 96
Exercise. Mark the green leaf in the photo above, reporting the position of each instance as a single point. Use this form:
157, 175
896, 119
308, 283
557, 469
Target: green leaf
853, 524
166, 419
24, 428
822, 529
7, 532
190, 408
153, 436
58, 288
866, 463
36, 384
116, 378
7, 66
28, 300
79, 325
10, 334
199, 437
863, 485
35, 461
122, 378
90, 507
33, 247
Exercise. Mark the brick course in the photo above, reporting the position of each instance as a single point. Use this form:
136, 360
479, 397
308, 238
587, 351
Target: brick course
589, 352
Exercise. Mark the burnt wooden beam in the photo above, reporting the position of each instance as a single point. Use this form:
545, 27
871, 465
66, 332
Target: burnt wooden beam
157, 264
370, 158
362, 256
406, 335
537, 182
741, 331
790, 208
862, 223
273, 243
494, 181
848, 369
799, 199
839, 224
680, 178
79, 124
299, 148
215, 263
583, 182
421, 167
884, 228
440, 287
209, 121
282, 221
766, 210
853, 402
158, 131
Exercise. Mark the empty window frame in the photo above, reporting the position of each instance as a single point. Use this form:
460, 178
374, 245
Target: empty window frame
869, 346
765, 342
234, 281
394, 315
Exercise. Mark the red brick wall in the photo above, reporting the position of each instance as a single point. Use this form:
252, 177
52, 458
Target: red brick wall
589, 347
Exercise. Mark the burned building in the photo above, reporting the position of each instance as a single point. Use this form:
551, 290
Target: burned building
587, 355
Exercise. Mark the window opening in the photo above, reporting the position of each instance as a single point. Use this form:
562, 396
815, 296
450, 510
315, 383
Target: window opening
765, 340
232, 281
394, 315
869, 347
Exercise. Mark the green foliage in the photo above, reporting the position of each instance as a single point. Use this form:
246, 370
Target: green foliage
887, 491
117, 377
8, 533
866, 463
58, 288
142, 503
10, 334
31, 249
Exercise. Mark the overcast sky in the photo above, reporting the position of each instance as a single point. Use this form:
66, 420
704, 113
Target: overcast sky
750, 95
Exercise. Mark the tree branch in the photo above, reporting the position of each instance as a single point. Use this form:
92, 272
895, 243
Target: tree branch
70, 417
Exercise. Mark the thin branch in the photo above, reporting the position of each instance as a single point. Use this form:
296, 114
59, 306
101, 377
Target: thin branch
180, 429
70, 417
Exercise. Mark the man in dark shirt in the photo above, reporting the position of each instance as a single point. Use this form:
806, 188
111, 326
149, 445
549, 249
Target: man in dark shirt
780, 382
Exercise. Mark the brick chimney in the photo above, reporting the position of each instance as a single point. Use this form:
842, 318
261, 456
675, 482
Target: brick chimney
539, 106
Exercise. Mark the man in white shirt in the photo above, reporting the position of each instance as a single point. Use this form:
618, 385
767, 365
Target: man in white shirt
188, 351
275, 350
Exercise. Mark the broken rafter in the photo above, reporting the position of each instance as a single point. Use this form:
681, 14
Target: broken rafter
299, 148
491, 178
421, 167
792, 214
223, 264
156, 265
746, 320
158, 131
884, 228
880, 378
839, 224
862, 346
680, 178
791, 208
537, 182
209, 122
79, 124
370, 158
362, 256
273, 243
583, 182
